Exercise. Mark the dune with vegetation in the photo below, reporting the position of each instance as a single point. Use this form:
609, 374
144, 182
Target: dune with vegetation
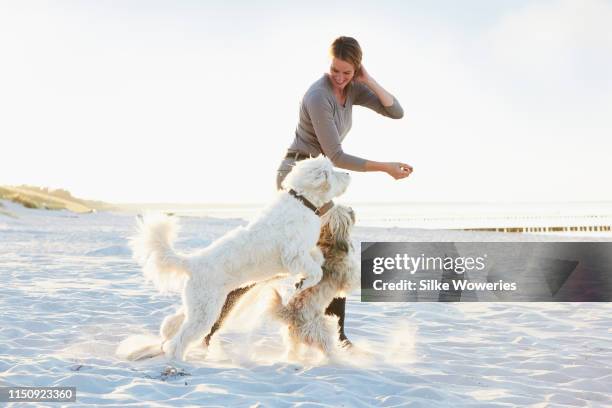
50, 199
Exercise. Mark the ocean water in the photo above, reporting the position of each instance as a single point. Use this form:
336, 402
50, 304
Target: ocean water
572, 218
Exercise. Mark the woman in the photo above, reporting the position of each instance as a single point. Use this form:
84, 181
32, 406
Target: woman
325, 119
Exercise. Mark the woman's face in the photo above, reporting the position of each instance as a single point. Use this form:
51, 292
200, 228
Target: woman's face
341, 73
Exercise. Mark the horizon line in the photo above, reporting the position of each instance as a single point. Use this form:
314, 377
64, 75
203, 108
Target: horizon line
246, 204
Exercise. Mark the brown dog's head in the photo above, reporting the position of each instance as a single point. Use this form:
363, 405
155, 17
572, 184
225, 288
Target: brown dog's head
336, 228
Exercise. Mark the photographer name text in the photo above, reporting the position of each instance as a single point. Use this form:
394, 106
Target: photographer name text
436, 285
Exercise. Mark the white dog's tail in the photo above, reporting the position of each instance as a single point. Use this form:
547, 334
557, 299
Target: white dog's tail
278, 310
152, 248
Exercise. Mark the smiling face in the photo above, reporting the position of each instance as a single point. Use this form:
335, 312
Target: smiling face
341, 73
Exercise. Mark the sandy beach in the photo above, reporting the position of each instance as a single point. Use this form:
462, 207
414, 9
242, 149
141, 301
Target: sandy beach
71, 294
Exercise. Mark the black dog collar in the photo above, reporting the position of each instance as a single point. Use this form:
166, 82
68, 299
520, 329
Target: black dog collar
304, 201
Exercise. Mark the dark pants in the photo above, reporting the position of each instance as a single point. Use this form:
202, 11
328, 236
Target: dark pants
335, 308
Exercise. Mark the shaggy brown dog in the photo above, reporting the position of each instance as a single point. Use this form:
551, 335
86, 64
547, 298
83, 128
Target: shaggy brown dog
305, 315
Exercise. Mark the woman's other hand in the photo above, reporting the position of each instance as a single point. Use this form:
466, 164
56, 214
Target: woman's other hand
398, 170
363, 76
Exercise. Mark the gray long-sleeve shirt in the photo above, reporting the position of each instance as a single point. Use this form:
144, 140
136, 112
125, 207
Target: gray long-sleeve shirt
324, 122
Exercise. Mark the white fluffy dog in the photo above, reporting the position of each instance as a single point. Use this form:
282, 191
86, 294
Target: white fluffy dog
304, 315
281, 240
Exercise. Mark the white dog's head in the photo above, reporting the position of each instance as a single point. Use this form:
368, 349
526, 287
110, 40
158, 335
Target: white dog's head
316, 180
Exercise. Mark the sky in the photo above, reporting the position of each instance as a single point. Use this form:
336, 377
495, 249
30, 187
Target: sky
197, 101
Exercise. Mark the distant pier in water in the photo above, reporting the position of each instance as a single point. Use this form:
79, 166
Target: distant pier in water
585, 228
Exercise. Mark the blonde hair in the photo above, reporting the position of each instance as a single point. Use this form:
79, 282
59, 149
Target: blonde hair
347, 49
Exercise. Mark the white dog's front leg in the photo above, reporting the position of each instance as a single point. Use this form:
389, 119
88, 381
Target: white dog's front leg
302, 263
313, 278
313, 272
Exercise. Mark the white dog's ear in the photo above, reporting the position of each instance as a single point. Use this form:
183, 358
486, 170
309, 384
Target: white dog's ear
322, 180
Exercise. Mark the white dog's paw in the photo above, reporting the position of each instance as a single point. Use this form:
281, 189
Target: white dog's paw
171, 351
199, 352
317, 256
312, 280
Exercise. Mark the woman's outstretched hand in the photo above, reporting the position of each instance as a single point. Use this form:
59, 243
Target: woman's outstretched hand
398, 170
